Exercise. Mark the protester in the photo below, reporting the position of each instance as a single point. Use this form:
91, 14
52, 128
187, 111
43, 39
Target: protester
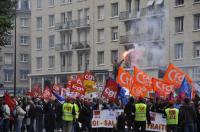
142, 115
68, 115
188, 116
172, 115
49, 116
19, 114
129, 114
39, 115
6, 117
121, 122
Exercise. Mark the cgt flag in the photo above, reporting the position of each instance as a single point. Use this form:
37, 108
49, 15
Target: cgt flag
141, 83
124, 79
161, 87
111, 90
175, 76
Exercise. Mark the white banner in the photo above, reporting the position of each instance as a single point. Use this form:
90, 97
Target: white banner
158, 123
105, 118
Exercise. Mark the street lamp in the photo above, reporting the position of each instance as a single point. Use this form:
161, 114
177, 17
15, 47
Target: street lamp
15, 49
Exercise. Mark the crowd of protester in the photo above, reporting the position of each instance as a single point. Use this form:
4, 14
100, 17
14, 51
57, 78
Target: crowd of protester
37, 115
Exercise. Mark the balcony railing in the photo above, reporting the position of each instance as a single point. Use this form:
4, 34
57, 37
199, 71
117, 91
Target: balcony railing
64, 26
67, 68
84, 45
82, 23
69, 25
63, 47
145, 12
136, 38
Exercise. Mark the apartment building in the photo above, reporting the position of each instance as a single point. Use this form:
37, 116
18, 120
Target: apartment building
71, 36
23, 50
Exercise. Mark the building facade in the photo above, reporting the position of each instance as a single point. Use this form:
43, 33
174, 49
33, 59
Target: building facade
23, 50
71, 36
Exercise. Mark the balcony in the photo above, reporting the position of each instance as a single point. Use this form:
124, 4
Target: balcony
63, 47
82, 23
145, 12
138, 38
81, 46
67, 68
64, 26
129, 15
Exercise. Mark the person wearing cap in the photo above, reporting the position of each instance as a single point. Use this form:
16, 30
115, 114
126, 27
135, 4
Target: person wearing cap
172, 115
68, 115
142, 115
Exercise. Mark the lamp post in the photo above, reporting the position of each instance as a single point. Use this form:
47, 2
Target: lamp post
15, 49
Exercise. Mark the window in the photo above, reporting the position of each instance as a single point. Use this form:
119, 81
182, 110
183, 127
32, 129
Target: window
38, 62
51, 2
24, 22
80, 14
100, 57
63, 60
51, 41
24, 58
62, 1
178, 52
8, 75
196, 49
8, 40
39, 3
23, 5
196, 21
114, 55
8, 58
179, 2
196, 1
179, 24
100, 12
39, 43
63, 18
69, 59
100, 33
100, 77
137, 5
39, 23
115, 33
24, 40
114, 9
196, 73
69, 1
80, 61
69, 15
51, 20
51, 61
24, 74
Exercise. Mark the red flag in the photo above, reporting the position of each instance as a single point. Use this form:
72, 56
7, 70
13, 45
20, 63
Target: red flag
9, 101
46, 94
141, 83
124, 79
161, 87
36, 91
175, 76
76, 86
111, 90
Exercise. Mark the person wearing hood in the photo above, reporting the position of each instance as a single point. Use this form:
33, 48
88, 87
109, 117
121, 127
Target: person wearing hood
188, 117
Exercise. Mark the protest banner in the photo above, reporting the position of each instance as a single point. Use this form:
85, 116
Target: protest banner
158, 123
104, 118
